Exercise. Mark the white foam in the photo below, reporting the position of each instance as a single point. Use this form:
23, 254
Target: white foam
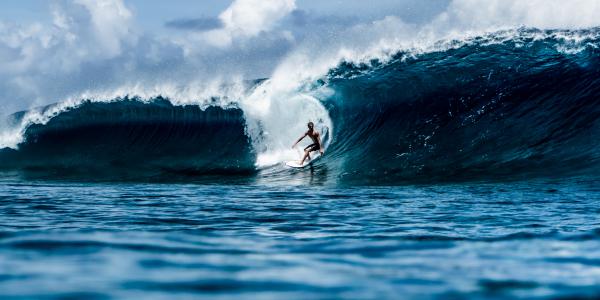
276, 116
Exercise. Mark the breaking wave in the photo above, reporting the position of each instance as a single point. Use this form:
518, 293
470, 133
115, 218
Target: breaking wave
506, 105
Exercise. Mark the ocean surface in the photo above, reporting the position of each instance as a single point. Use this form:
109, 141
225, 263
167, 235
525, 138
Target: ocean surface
467, 170
527, 239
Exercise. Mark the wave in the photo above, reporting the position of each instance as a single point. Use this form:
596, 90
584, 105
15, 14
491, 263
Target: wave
507, 105
128, 137
494, 107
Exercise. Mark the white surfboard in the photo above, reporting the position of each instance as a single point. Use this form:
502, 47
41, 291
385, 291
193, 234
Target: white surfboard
314, 155
296, 163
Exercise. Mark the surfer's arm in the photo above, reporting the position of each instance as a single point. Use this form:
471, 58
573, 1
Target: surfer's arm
298, 141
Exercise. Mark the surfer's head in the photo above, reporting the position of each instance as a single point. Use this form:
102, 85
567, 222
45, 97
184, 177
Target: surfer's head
310, 125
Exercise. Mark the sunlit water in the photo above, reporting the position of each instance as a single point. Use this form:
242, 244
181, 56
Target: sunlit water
176, 241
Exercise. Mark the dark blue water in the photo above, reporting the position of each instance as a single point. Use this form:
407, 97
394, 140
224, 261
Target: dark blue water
526, 239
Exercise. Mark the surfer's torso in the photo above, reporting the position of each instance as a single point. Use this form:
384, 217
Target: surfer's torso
314, 136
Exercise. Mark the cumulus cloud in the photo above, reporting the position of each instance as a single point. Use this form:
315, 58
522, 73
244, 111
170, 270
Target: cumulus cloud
110, 23
94, 45
38, 59
248, 18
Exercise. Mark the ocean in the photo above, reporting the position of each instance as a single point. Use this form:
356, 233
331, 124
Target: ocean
468, 171
527, 239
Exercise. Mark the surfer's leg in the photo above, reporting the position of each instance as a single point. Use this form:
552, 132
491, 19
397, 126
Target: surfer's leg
306, 155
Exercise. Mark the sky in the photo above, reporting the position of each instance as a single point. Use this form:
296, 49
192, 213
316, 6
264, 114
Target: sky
59, 50
153, 15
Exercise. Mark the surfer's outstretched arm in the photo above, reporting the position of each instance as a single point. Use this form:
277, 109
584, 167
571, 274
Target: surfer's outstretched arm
298, 141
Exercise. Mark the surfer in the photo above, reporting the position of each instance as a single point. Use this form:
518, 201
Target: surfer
316, 145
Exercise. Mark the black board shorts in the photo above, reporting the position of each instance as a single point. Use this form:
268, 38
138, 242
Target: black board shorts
312, 147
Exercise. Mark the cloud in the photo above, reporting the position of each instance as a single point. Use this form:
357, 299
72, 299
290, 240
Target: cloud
110, 23
38, 60
96, 46
200, 24
248, 18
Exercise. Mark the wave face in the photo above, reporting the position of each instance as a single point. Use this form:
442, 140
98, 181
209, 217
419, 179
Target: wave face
129, 137
494, 107
508, 105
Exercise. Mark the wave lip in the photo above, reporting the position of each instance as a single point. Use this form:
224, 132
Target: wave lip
129, 136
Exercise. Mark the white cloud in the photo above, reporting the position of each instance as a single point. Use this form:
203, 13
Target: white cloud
248, 18
42, 62
110, 22
94, 45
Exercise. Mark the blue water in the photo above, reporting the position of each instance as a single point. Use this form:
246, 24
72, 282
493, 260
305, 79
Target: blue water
524, 239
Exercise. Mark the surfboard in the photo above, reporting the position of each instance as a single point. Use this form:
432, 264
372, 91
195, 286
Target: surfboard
315, 156
296, 163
